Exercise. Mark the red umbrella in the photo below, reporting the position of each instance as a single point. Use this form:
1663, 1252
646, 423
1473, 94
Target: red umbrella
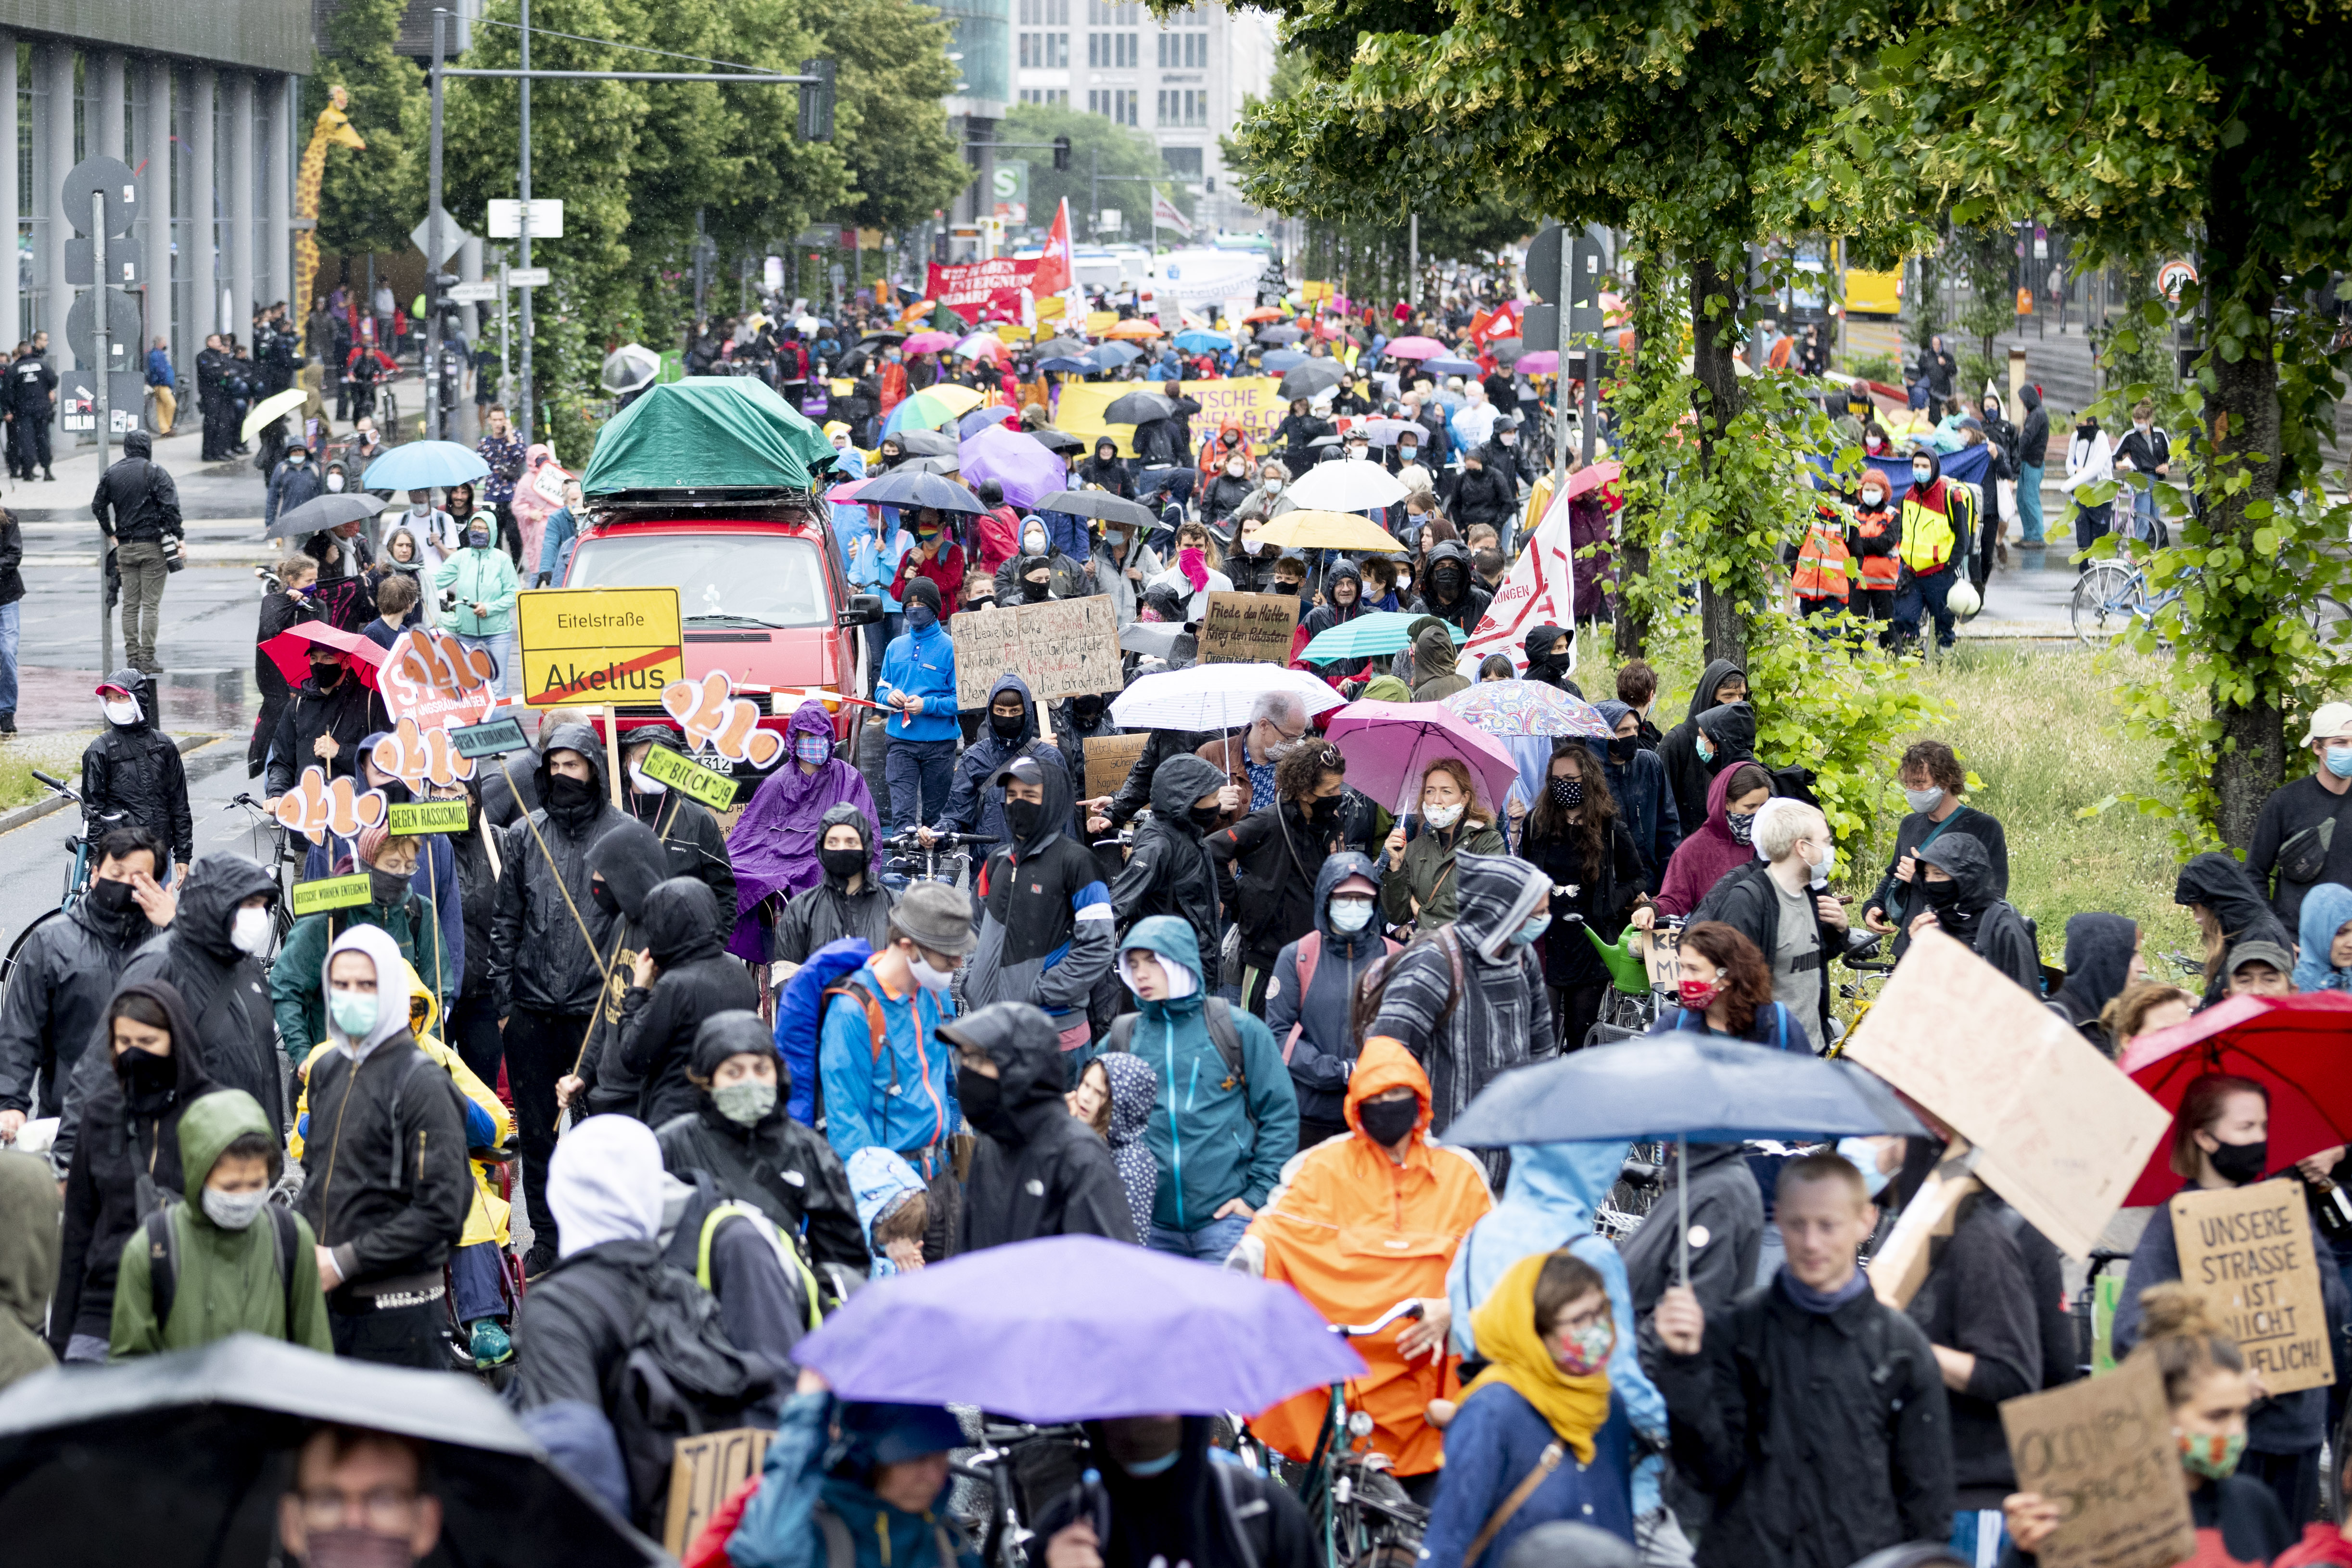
2297, 1048
290, 650
1591, 476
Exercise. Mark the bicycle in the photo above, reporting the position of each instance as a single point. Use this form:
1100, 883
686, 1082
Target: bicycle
1871, 971
1364, 1516
1021, 1464
2111, 598
946, 859
78, 875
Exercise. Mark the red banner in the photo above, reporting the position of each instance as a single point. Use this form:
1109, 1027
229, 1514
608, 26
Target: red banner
981, 290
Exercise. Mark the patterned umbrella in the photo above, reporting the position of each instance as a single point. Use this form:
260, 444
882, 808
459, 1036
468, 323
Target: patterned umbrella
1527, 707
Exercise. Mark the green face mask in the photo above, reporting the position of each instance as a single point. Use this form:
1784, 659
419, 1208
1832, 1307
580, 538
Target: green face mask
2215, 1459
744, 1104
353, 1012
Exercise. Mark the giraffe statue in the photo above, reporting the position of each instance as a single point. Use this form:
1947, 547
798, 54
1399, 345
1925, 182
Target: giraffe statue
333, 129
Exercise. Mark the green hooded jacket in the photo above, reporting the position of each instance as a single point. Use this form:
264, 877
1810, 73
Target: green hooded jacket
297, 978
229, 1281
28, 1262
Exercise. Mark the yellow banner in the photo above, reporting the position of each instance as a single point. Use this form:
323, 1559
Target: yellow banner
1100, 322
1255, 402
1313, 293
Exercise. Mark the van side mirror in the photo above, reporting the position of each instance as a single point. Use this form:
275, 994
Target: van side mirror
865, 609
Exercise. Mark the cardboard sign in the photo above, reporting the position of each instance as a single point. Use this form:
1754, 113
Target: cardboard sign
420, 756
1898, 1269
703, 1471
2249, 1252
691, 779
1067, 648
432, 678
429, 817
1109, 759
315, 808
2059, 1130
598, 644
1248, 628
2103, 1449
330, 893
487, 740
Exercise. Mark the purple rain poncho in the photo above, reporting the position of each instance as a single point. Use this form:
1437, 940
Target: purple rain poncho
773, 846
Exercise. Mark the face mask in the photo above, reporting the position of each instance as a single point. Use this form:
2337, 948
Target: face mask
840, 865
2339, 760
1535, 927
571, 800
1021, 816
419, 508
1923, 800
1704, 747
1206, 817
249, 933
327, 673
643, 783
111, 898
1150, 1468
358, 1549
121, 712
1323, 808
335, 481
1509, 438
1404, 582
922, 617
1285, 585
1873, 499
233, 1211
929, 977
1233, 470
1441, 816
2211, 1457
1623, 747
814, 750
2238, 1164
1033, 543
1350, 915
148, 1079
1587, 1348
744, 1104
352, 1011
388, 886
1823, 869
1386, 1120
1697, 995
1921, 473
1743, 828
1008, 726
982, 1099
1858, 1152
1566, 793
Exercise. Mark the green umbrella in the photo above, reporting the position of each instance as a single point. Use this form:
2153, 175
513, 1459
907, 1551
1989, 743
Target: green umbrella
1375, 632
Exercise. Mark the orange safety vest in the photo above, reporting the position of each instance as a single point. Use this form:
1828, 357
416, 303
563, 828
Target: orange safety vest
1821, 562
1877, 571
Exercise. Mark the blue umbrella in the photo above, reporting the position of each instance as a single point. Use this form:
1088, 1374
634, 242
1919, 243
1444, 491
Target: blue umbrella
1281, 360
1197, 342
1445, 364
980, 419
423, 465
1065, 365
1111, 356
905, 486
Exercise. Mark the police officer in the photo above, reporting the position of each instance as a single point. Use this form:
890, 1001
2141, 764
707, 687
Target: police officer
212, 389
33, 388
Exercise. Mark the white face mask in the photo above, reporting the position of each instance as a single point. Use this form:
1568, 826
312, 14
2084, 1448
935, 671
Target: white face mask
1350, 915
1033, 542
643, 785
121, 711
1824, 865
249, 933
934, 981
1234, 470
420, 508
233, 1211
1441, 816
335, 481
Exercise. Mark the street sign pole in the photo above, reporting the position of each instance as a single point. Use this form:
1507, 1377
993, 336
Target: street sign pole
525, 399
98, 301
433, 420
1559, 381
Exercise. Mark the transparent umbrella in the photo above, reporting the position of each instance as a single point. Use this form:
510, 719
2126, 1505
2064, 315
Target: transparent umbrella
628, 368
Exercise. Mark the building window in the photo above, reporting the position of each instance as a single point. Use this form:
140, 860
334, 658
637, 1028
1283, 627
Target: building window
1059, 95
1114, 52
1119, 104
1183, 51
1045, 51
1100, 13
1184, 107
1044, 13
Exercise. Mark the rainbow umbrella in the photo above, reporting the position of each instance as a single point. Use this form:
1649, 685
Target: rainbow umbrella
1527, 707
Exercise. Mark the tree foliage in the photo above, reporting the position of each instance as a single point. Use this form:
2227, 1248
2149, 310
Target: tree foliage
1097, 142
888, 120
369, 200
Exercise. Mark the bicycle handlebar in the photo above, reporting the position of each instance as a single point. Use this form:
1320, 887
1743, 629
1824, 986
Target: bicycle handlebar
1410, 1307
938, 840
59, 785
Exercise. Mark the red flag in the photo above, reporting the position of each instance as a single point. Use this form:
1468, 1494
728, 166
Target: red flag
1053, 274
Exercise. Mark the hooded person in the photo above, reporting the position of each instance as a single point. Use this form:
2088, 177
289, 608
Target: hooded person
229, 1275
1966, 907
974, 803
2230, 910
1450, 589
2102, 961
738, 1130
298, 992
1690, 765
854, 1486
324, 721
127, 1161
385, 1186
28, 1263
1550, 658
1223, 1120
1046, 918
1498, 1016
133, 771
1360, 1224
1173, 1499
2325, 913
681, 979
773, 846
1037, 1170
1725, 841
696, 843
1486, 492
1725, 1238
1311, 989
890, 1198
1343, 601
1169, 871
850, 902
1133, 1088
1637, 781
1435, 657
1018, 580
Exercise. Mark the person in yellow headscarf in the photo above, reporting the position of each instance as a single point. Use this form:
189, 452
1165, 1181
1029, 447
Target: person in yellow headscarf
1538, 1436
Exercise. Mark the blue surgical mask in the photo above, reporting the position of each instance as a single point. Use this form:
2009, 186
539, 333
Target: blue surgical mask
1159, 1466
1859, 1153
1705, 748
1350, 915
1534, 928
2339, 760
353, 1012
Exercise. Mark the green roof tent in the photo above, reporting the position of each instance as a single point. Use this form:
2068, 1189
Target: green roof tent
708, 432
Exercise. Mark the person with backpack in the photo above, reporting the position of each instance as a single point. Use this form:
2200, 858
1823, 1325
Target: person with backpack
1037, 1170
204, 1269
850, 902
1725, 987
297, 985
1311, 986
1045, 918
1170, 869
1223, 1120
1637, 781
133, 771
1932, 782
681, 980
849, 1485
975, 801
1955, 879
754, 1153
384, 1183
1781, 903
1270, 862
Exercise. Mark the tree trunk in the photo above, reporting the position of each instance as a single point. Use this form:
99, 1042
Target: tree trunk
1718, 401
1632, 560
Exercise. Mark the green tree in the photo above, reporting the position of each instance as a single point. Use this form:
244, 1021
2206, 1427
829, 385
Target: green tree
369, 200
1097, 142
887, 117
2139, 123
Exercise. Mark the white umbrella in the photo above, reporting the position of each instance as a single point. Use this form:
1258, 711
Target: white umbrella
1213, 696
270, 410
629, 367
1348, 485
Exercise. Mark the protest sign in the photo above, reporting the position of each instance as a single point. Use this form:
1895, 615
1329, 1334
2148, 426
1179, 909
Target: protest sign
2248, 1251
977, 290
1539, 590
430, 676
429, 817
598, 644
487, 740
704, 1471
1109, 759
420, 756
1067, 648
715, 719
1253, 402
326, 893
712, 788
1248, 628
2059, 1131
1898, 1269
2102, 1450
316, 808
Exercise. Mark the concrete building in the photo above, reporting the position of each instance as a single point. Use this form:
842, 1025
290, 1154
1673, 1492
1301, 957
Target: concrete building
200, 101
983, 48
1182, 80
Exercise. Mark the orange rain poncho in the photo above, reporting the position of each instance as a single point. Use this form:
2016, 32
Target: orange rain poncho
1356, 1232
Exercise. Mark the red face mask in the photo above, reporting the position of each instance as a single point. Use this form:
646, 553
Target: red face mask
1699, 994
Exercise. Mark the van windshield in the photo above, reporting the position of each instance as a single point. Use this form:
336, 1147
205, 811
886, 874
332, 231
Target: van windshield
722, 580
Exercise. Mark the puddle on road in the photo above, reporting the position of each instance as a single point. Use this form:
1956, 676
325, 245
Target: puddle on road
50, 698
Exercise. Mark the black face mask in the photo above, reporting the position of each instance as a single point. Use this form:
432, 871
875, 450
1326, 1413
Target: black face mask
2239, 1163
1087, 711
601, 892
982, 1099
387, 887
326, 672
1021, 819
1566, 793
1323, 808
840, 865
572, 801
1285, 585
1206, 817
1623, 747
1008, 726
1446, 581
396, 791
111, 898
1386, 1120
148, 1080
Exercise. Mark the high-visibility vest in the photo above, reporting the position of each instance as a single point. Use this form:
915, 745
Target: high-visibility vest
1877, 571
1821, 562
1929, 540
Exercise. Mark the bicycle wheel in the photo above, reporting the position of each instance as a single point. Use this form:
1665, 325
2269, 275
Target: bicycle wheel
2107, 598
8, 963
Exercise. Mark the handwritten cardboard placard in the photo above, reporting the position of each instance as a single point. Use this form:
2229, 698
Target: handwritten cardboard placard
2059, 1130
2103, 1449
1067, 648
1109, 759
703, 1472
2249, 1252
1248, 628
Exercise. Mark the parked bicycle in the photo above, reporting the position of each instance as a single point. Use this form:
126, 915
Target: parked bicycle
2112, 598
1024, 1467
80, 848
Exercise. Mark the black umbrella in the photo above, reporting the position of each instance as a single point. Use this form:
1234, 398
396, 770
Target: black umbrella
934, 465
903, 485
925, 443
882, 334
1278, 334
1053, 346
321, 513
1314, 376
1091, 503
1137, 408
178, 1461
1054, 440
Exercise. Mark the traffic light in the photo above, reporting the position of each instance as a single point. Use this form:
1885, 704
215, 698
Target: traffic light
440, 283
1061, 154
817, 102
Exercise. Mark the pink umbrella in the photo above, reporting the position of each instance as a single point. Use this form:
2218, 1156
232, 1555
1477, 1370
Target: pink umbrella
1593, 476
848, 492
983, 343
1412, 348
926, 343
1390, 746
1543, 361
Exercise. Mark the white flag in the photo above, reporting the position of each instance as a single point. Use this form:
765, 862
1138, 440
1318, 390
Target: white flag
1539, 589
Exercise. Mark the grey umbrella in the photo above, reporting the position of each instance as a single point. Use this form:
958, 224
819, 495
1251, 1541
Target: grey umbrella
178, 1461
1307, 380
1137, 407
1054, 440
1094, 503
925, 443
904, 487
321, 513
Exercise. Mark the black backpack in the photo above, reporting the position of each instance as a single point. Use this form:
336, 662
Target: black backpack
1217, 1014
679, 1378
1372, 985
164, 1259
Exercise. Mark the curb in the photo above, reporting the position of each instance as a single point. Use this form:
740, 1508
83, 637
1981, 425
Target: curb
12, 820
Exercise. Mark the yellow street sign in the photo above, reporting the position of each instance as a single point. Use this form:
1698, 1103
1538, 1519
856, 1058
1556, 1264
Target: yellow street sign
599, 645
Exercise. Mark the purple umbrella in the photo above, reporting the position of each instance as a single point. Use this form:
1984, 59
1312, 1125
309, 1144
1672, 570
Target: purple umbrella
1028, 471
1076, 1327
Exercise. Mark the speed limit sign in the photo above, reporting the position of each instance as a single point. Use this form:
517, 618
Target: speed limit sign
2173, 277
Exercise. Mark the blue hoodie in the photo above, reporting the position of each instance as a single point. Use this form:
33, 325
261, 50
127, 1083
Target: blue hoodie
2326, 909
1643, 801
1213, 1138
879, 1181
920, 664
1325, 1053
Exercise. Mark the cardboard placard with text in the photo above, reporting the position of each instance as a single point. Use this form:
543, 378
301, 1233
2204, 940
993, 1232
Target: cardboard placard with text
2059, 1130
2249, 1252
1067, 648
1109, 759
703, 1471
1248, 628
2103, 1449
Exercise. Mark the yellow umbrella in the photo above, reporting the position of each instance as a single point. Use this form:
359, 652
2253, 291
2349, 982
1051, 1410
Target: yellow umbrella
274, 406
1345, 531
959, 398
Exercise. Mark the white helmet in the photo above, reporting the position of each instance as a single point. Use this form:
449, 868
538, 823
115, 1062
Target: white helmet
1964, 601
